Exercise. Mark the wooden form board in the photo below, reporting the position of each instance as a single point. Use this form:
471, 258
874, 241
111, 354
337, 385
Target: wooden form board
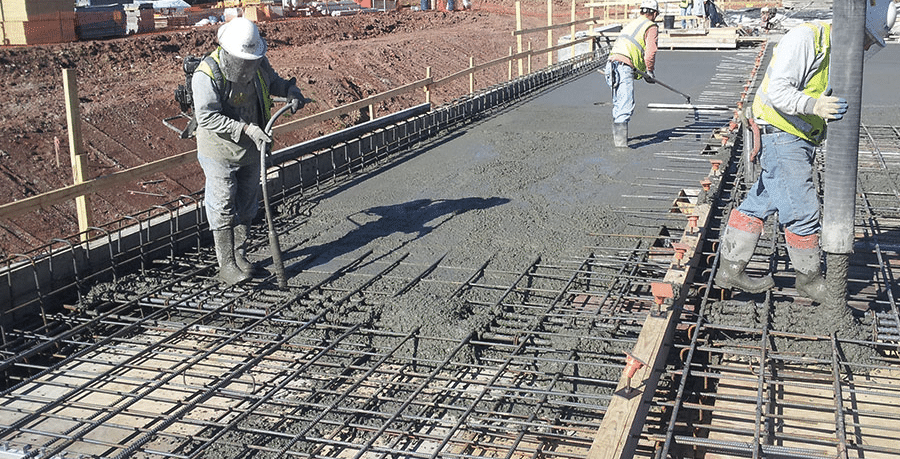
621, 426
714, 38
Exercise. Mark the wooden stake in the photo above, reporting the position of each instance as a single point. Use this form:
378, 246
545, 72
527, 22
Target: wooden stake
427, 90
519, 37
549, 32
573, 28
79, 160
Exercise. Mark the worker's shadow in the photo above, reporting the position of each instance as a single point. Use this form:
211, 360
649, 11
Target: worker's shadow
414, 219
653, 139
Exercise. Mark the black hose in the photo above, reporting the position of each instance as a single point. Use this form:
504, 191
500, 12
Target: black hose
274, 245
847, 41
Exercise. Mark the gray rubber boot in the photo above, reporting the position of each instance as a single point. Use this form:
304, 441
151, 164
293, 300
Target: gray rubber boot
737, 248
620, 134
240, 251
229, 273
808, 267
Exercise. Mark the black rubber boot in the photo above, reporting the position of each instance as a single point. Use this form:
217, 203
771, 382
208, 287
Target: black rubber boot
737, 248
620, 134
731, 275
808, 266
229, 273
240, 251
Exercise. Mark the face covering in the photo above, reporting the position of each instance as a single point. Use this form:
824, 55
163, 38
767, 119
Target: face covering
238, 70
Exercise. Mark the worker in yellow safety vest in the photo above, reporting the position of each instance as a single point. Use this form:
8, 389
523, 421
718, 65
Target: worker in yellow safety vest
792, 109
231, 93
634, 49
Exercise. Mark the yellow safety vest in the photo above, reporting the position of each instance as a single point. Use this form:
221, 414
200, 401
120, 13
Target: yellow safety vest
684, 3
631, 42
809, 127
265, 99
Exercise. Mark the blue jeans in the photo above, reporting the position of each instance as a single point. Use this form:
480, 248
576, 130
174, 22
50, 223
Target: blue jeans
232, 192
785, 184
620, 79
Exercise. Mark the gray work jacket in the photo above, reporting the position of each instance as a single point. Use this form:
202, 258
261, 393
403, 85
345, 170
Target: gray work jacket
223, 108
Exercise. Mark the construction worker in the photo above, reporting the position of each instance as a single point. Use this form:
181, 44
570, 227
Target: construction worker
685, 8
231, 92
634, 49
691, 8
792, 107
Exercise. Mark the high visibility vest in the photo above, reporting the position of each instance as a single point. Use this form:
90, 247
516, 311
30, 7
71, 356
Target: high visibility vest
684, 3
631, 42
265, 99
809, 127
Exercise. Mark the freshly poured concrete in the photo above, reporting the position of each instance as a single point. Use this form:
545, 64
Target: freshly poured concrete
536, 179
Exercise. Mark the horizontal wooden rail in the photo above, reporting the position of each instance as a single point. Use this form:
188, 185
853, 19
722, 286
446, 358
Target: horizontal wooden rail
349, 108
54, 197
556, 26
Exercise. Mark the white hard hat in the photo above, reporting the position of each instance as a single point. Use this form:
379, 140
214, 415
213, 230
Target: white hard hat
880, 17
240, 38
650, 5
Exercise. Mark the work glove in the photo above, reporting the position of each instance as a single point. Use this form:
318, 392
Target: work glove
256, 134
295, 99
651, 78
830, 107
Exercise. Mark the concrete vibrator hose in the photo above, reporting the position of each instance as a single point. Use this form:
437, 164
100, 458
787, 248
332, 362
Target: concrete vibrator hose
274, 245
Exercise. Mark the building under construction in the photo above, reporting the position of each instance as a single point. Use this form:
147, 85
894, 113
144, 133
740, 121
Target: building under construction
485, 278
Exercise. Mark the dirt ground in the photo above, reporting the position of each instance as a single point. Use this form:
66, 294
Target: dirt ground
125, 88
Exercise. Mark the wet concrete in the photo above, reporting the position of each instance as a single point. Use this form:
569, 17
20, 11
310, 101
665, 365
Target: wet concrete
540, 179
537, 179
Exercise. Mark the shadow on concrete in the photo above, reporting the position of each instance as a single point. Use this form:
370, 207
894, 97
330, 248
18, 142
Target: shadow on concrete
653, 139
414, 218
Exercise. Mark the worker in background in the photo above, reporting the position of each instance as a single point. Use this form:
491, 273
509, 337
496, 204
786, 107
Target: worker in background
686, 8
699, 10
231, 90
792, 108
713, 15
634, 49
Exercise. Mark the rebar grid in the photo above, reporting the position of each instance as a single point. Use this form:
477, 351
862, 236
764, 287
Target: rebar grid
750, 385
189, 369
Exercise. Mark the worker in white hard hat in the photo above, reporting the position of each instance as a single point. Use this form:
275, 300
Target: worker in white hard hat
791, 109
232, 91
634, 49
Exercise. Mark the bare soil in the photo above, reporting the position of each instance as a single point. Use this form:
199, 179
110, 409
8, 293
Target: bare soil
125, 88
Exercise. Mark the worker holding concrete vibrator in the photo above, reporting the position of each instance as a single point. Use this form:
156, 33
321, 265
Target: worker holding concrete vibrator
232, 91
791, 109
634, 50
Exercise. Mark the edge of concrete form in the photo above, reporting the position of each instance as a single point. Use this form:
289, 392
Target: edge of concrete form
36, 285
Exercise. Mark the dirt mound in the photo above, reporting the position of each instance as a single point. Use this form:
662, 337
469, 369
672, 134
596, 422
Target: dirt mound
125, 88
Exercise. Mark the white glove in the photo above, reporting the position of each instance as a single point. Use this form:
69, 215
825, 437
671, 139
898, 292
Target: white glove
830, 107
296, 99
651, 78
256, 133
